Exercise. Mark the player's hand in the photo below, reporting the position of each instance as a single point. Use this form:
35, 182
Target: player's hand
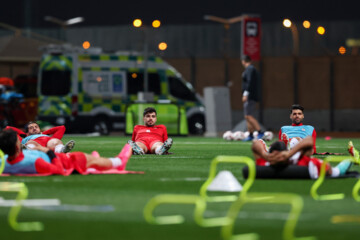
276, 157
36, 146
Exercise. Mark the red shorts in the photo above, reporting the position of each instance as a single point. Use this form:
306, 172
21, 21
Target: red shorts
42, 140
303, 161
148, 142
74, 160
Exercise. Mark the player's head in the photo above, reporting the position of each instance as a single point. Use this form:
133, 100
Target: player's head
245, 60
296, 113
149, 117
277, 146
32, 128
9, 142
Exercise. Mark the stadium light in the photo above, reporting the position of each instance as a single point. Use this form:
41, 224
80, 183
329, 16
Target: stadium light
139, 24
295, 35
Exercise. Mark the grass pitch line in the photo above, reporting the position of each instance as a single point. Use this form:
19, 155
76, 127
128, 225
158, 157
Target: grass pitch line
194, 179
30, 202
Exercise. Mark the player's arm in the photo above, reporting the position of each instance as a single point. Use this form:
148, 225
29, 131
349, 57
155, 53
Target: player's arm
165, 135
280, 133
56, 132
18, 131
55, 167
42, 166
314, 140
134, 133
303, 146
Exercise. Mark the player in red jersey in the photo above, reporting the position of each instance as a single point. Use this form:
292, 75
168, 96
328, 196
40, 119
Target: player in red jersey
50, 138
150, 138
278, 154
42, 160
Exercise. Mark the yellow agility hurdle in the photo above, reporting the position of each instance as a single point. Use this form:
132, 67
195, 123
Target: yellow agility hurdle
14, 210
321, 178
294, 200
200, 201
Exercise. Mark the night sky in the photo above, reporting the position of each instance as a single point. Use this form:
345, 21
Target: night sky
31, 13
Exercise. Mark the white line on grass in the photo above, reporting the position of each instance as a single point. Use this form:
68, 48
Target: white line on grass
31, 202
262, 215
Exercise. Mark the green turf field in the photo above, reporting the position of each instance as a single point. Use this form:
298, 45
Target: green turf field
111, 206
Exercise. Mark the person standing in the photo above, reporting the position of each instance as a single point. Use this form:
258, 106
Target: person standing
250, 96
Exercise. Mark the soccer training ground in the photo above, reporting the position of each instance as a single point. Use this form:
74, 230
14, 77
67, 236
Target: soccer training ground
111, 206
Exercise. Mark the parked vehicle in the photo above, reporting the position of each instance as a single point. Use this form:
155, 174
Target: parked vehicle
88, 90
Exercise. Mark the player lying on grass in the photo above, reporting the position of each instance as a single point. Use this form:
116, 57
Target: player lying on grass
150, 138
278, 154
42, 160
50, 138
297, 129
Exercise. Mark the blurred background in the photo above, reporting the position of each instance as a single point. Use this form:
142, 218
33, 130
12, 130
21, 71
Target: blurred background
307, 51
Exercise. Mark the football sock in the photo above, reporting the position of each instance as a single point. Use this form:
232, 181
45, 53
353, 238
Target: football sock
59, 148
335, 172
116, 162
157, 150
343, 166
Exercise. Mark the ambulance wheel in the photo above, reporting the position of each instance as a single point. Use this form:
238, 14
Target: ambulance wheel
196, 125
102, 127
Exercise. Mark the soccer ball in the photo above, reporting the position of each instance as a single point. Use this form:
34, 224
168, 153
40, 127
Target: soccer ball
246, 134
227, 135
255, 134
238, 135
268, 136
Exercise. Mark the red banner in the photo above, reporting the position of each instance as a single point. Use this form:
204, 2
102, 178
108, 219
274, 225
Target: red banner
251, 37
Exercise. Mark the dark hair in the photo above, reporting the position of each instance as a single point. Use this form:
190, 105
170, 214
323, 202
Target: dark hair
27, 126
246, 58
296, 106
8, 139
277, 146
149, 110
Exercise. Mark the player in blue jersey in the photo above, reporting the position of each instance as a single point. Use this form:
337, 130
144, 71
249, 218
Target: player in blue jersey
42, 160
292, 134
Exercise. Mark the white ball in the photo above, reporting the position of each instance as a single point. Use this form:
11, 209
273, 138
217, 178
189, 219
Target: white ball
227, 135
268, 136
255, 134
238, 135
246, 134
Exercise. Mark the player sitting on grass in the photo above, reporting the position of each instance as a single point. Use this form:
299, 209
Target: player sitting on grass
50, 138
297, 129
42, 160
150, 138
278, 154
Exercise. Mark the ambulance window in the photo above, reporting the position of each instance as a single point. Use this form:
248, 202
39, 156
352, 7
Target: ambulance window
56, 83
135, 83
179, 90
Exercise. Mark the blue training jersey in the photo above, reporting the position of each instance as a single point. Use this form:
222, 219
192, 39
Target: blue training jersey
27, 164
298, 131
32, 137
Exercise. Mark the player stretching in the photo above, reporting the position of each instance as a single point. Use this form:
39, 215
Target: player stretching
150, 138
42, 160
50, 138
279, 155
297, 129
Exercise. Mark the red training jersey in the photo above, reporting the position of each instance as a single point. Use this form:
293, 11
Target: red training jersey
143, 133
